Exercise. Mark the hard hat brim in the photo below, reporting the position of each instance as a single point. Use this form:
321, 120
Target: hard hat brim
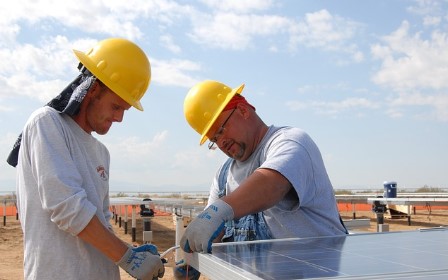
237, 90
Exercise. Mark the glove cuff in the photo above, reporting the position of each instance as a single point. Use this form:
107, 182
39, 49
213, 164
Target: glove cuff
125, 257
224, 209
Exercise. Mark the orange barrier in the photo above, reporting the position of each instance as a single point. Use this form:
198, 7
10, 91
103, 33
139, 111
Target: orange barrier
10, 210
368, 207
358, 207
128, 208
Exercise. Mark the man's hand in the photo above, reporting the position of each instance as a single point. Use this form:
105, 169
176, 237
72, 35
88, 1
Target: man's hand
206, 227
142, 262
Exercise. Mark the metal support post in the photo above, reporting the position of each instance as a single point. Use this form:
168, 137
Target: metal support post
134, 222
126, 208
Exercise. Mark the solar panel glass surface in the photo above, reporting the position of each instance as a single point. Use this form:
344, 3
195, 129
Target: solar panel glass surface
394, 255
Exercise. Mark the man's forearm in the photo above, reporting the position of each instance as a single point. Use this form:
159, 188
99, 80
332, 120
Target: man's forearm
260, 191
104, 240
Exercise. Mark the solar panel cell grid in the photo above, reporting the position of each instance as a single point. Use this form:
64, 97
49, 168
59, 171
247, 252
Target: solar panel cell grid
412, 254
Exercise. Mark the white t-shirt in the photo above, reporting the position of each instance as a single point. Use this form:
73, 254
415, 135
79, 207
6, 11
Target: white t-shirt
291, 152
62, 182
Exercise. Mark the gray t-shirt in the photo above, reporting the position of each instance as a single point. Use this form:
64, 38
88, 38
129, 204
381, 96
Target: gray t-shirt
62, 182
291, 152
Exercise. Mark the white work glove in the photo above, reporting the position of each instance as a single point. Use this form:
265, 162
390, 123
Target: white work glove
142, 262
206, 227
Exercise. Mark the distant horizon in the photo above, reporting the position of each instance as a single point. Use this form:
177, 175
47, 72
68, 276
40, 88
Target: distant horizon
184, 191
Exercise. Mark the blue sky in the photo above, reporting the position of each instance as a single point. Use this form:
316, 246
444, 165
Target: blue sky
368, 80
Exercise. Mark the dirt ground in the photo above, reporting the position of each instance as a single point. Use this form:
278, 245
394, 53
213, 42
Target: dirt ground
11, 250
162, 226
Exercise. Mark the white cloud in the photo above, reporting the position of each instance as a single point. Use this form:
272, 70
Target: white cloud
239, 6
174, 72
427, 7
42, 70
168, 42
333, 108
5, 109
329, 32
135, 149
26, 85
90, 16
357, 56
349, 104
39, 71
8, 33
236, 31
431, 21
419, 100
115, 18
230, 26
410, 62
415, 68
191, 158
320, 88
151, 164
50, 57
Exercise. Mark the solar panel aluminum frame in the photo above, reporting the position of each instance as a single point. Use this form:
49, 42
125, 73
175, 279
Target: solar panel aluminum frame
381, 244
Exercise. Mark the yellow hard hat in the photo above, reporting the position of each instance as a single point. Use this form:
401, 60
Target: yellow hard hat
122, 66
205, 102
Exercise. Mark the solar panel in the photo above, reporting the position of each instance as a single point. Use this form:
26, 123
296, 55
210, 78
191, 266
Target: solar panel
394, 255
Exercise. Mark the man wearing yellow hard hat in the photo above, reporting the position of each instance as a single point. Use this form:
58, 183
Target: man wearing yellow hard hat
274, 184
63, 172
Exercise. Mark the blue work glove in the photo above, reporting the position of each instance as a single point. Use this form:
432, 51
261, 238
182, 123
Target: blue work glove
142, 262
183, 271
147, 248
206, 227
